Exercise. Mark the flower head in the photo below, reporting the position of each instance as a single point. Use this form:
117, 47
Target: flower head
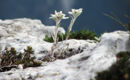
58, 16
75, 12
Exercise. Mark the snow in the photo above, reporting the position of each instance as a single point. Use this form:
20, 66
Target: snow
96, 57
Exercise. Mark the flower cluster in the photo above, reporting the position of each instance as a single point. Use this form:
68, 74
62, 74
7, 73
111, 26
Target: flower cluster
75, 12
58, 16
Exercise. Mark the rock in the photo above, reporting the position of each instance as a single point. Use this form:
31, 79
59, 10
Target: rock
96, 57
20, 66
20, 33
7, 68
71, 47
3, 32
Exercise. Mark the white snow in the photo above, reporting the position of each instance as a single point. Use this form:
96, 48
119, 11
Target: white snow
95, 57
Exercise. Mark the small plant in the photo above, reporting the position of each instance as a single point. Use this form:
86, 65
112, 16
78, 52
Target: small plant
74, 35
83, 35
28, 60
119, 71
75, 13
11, 58
57, 17
49, 39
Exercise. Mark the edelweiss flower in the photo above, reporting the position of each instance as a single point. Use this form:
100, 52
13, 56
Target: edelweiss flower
75, 12
58, 16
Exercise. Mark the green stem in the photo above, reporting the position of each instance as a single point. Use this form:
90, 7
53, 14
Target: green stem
56, 32
70, 27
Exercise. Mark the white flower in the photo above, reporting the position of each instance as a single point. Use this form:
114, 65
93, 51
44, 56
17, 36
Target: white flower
58, 16
75, 12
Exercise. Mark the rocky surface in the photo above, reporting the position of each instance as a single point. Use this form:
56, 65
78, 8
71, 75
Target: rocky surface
20, 33
95, 57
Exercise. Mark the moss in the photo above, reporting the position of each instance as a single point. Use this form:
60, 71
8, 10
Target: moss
12, 57
82, 34
119, 71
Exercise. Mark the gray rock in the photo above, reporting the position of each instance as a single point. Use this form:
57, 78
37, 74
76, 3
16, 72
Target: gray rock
94, 58
20, 33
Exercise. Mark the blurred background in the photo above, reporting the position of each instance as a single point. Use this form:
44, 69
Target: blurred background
92, 18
